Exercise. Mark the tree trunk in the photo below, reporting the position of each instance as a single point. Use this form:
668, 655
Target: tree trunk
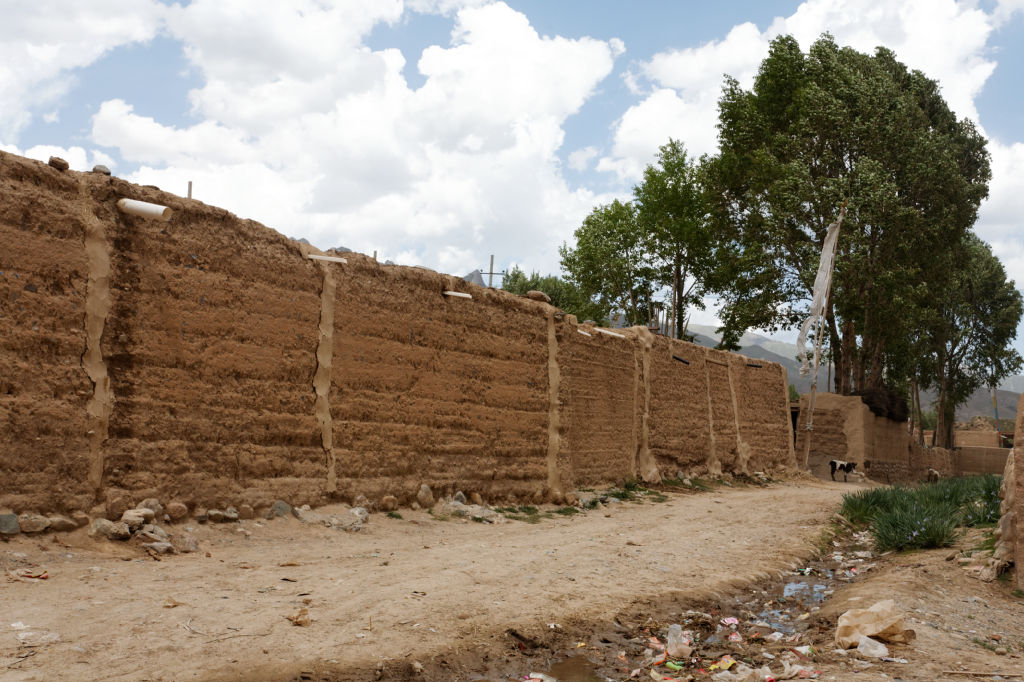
920, 414
876, 376
944, 423
913, 414
677, 295
850, 360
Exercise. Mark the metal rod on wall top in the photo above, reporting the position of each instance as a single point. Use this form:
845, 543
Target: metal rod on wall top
490, 274
189, 189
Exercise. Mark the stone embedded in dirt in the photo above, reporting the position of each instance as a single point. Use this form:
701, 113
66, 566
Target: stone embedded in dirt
147, 513
177, 511
360, 513
134, 519
9, 524
1001, 651
201, 515
186, 543
101, 169
301, 618
571, 499
59, 163
476, 499
389, 503
279, 508
117, 506
230, 514
535, 295
155, 533
62, 524
110, 530
469, 511
425, 496
362, 501
246, 512
33, 523
460, 497
160, 547
80, 518
415, 506
215, 516
153, 504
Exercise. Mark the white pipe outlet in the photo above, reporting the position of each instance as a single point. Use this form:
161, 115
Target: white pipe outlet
144, 209
329, 259
605, 331
583, 332
458, 294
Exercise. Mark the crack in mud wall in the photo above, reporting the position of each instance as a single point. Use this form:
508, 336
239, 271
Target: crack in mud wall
714, 464
554, 411
646, 466
322, 376
742, 449
97, 307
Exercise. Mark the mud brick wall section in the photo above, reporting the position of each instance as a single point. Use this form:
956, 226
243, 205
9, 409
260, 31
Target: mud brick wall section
844, 428
1018, 497
210, 360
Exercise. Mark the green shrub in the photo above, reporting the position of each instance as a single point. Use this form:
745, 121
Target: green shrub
927, 515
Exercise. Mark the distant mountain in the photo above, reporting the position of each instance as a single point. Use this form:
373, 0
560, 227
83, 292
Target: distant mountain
756, 346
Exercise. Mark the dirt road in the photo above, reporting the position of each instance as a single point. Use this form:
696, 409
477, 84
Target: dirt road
400, 590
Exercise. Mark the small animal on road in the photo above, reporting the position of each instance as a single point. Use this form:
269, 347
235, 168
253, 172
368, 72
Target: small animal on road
835, 465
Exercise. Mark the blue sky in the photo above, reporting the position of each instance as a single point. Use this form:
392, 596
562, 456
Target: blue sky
439, 131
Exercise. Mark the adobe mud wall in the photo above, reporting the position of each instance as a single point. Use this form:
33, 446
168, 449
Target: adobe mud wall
846, 429
971, 461
209, 359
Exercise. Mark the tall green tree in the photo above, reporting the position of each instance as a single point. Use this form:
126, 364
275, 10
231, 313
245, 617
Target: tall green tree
824, 127
672, 214
974, 319
564, 294
611, 262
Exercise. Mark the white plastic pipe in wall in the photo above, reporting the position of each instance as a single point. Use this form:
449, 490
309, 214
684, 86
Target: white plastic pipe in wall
144, 209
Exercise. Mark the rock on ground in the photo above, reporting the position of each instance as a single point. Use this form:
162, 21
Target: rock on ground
33, 523
425, 496
110, 530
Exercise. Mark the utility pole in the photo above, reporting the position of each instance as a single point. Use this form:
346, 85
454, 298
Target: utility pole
491, 273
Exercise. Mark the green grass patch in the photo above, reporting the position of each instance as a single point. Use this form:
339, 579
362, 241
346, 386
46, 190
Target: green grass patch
924, 516
525, 513
393, 515
567, 511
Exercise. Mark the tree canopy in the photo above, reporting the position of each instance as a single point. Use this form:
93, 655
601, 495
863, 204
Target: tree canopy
825, 127
917, 300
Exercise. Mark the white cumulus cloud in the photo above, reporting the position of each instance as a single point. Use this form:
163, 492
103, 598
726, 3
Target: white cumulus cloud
309, 130
42, 42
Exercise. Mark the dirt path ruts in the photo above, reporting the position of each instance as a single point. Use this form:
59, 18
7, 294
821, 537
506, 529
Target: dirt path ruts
421, 584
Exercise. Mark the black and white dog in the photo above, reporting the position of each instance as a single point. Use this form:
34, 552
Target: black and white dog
835, 465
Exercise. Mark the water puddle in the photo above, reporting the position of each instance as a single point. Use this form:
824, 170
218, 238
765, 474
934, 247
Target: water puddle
575, 669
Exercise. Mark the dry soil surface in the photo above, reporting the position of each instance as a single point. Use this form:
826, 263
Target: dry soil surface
402, 590
960, 621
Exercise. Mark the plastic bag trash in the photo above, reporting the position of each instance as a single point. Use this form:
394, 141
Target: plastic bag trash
872, 648
796, 672
744, 673
542, 677
678, 644
882, 621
